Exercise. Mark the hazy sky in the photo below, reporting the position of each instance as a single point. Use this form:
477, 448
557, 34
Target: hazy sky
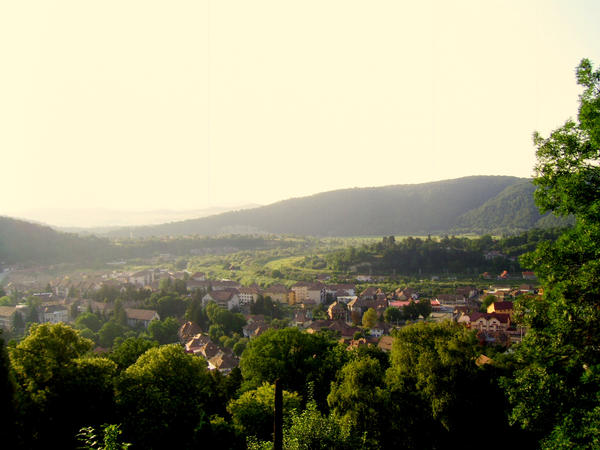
187, 104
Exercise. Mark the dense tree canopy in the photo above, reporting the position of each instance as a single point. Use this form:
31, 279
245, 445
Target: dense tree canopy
161, 397
555, 390
296, 358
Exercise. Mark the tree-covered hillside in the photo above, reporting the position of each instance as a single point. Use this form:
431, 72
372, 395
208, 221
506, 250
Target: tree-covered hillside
513, 209
398, 210
22, 241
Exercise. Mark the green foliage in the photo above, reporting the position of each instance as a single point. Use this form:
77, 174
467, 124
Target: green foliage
109, 332
436, 362
161, 397
253, 411
487, 301
311, 430
7, 398
53, 375
43, 355
518, 200
555, 389
404, 209
359, 397
164, 331
369, 319
215, 332
424, 308
109, 435
89, 320
294, 357
393, 315
411, 311
126, 352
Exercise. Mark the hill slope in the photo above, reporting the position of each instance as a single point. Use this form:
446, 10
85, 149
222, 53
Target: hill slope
22, 241
512, 210
400, 209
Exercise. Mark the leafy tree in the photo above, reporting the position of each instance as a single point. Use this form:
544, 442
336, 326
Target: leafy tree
161, 398
424, 308
359, 397
296, 358
7, 398
240, 346
109, 332
215, 332
171, 306
411, 311
126, 352
164, 331
393, 315
252, 412
555, 390
369, 319
89, 320
17, 323
53, 375
119, 314
311, 430
487, 301
431, 380
109, 435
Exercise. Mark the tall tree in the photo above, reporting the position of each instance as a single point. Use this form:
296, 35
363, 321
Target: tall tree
53, 375
161, 398
296, 358
555, 390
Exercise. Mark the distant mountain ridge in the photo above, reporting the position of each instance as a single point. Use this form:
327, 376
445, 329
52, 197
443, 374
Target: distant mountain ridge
480, 204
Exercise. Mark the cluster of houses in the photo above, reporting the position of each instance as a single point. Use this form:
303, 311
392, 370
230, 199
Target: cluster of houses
343, 304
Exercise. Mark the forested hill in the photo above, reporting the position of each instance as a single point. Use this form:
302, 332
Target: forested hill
511, 210
438, 207
22, 241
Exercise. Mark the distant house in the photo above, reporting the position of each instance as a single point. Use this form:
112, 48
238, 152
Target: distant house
136, 317
528, 275
248, 295
6, 316
254, 329
278, 293
196, 343
310, 293
500, 308
187, 331
379, 329
385, 343
489, 322
337, 311
193, 285
364, 278
302, 317
223, 362
227, 299
198, 276
492, 255
224, 285
53, 314
208, 350
335, 290
451, 299
142, 278
526, 289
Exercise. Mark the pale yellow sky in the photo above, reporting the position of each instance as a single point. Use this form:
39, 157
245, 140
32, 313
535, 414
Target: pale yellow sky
187, 104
